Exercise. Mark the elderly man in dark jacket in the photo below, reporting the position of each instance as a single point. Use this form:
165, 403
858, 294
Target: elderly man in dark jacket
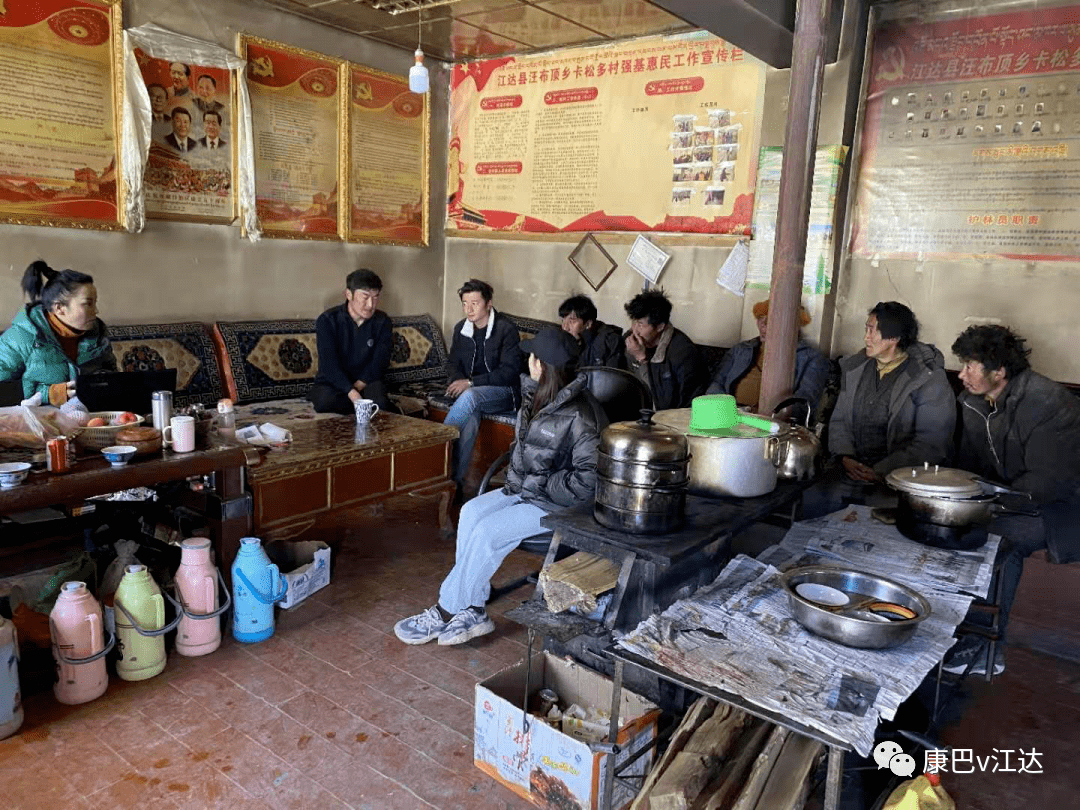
895, 408
739, 373
601, 343
1023, 430
660, 355
484, 369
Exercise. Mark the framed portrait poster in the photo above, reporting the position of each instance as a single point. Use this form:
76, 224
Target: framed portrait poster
59, 114
189, 170
297, 114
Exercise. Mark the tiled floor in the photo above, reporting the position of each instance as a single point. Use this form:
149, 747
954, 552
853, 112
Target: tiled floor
333, 712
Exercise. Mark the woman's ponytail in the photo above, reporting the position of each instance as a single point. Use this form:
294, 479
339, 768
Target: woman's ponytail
48, 287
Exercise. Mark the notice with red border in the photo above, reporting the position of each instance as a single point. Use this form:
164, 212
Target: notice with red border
657, 134
971, 138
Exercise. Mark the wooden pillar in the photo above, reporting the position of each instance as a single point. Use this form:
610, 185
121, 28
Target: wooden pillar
793, 212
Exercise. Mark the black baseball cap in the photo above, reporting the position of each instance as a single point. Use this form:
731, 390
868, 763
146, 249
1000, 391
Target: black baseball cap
553, 346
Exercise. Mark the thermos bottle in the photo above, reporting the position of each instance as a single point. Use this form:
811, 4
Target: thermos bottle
257, 585
11, 713
140, 625
199, 631
79, 645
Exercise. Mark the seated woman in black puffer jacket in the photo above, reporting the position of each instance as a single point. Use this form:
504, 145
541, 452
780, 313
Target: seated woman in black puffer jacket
552, 466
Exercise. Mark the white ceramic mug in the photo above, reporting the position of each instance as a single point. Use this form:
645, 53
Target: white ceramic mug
365, 410
180, 432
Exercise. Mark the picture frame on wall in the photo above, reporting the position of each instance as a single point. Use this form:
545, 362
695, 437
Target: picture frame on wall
60, 149
592, 261
190, 168
298, 113
389, 151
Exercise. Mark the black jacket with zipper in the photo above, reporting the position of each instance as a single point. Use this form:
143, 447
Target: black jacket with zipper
1029, 439
553, 458
502, 354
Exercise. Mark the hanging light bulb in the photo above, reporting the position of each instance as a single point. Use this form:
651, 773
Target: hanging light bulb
418, 74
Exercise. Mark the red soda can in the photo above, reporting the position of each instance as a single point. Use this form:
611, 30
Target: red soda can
58, 454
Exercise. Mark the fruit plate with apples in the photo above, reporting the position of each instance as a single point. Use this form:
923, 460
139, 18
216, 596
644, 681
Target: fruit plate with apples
101, 428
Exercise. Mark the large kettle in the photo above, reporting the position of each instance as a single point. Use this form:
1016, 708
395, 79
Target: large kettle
800, 447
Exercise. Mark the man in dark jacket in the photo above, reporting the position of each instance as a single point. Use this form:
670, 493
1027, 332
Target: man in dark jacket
601, 343
895, 408
1023, 430
740, 370
660, 355
484, 369
354, 342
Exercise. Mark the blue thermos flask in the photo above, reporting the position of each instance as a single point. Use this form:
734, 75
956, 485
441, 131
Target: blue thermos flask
257, 585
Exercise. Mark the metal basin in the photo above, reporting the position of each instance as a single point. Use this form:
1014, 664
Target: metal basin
855, 629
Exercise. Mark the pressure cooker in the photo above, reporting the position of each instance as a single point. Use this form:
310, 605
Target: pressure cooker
938, 505
641, 477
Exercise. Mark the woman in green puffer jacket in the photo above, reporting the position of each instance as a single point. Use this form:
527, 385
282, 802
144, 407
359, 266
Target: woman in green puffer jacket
55, 337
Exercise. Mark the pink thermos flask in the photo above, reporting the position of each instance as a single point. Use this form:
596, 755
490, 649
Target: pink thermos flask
199, 631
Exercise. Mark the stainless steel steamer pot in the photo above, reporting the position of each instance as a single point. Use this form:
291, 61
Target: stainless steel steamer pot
642, 477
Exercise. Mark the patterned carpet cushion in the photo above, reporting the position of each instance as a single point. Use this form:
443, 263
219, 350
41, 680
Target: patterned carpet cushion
528, 327
187, 347
418, 356
266, 360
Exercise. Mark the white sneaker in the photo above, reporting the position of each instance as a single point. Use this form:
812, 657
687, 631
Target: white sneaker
421, 628
467, 624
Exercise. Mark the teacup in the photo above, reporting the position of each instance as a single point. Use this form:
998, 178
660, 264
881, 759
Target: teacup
365, 409
13, 474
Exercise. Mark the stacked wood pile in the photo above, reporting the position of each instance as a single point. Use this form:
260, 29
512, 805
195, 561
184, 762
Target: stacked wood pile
721, 758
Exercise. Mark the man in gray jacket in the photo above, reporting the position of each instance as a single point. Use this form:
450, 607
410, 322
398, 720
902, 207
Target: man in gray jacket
895, 408
1023, 430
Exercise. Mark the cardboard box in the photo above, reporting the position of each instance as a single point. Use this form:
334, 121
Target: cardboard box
543, 765
305, 565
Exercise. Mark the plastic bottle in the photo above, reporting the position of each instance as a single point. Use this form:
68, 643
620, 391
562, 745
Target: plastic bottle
226, 419
921, 793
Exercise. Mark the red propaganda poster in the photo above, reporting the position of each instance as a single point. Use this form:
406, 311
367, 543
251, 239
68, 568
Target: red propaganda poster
297, 125
970, 135
59, 112
657, 134
388, 160
189, 168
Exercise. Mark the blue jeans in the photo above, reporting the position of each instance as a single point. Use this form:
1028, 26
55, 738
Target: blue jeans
465, 415
489, 528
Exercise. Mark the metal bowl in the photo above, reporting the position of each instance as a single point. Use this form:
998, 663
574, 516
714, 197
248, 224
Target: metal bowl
848, 628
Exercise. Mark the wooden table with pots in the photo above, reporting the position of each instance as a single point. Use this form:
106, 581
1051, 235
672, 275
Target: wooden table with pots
227, 507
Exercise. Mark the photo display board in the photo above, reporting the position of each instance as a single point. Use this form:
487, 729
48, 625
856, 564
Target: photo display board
192, 136
297, 124
655, 134
59, 93
971, 137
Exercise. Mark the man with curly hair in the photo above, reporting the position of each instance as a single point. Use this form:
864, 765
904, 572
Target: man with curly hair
1023, 430
660, 355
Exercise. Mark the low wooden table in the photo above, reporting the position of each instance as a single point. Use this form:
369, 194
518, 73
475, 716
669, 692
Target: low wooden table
331, 464
230, 519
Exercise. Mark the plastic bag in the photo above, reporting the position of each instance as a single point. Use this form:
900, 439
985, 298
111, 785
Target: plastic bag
125, 556
29, 426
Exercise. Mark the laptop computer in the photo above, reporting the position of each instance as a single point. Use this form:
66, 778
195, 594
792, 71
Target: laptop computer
123, 390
